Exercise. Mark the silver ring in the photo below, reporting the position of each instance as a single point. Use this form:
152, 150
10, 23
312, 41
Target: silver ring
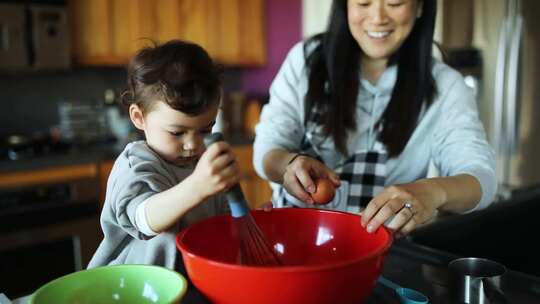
409, 206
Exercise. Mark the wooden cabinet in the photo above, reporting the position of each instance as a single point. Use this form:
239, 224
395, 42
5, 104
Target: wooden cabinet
47, 176
103, 175
86, 181
256, 190
109, 32
131, 26
193, 20
91, 36
252, 33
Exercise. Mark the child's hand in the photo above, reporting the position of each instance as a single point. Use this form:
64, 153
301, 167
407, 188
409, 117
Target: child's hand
217, 170
267, 206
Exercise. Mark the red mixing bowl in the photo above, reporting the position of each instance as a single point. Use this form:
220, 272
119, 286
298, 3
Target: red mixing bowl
328, 257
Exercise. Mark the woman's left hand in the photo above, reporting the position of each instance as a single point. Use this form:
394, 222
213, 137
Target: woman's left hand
407, 205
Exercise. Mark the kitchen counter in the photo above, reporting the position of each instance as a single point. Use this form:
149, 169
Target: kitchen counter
74, 156
424, 269
504, 232
86, 154
38, 156
94, 162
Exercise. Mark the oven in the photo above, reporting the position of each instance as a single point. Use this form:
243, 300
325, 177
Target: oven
46, 231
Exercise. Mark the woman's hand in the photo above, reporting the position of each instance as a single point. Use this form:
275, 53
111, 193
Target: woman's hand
299, 176
217, 170
408, 205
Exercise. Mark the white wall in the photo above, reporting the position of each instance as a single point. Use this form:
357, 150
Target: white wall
439, 22
314, 16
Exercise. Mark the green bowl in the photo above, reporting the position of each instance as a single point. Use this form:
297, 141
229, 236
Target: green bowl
114, 284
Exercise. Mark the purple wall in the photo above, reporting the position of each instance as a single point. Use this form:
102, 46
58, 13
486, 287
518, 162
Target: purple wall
283, 30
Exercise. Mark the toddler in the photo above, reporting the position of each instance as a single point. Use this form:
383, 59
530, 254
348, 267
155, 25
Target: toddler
167, 181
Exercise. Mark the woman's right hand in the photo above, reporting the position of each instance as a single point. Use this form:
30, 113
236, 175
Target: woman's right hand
300, 175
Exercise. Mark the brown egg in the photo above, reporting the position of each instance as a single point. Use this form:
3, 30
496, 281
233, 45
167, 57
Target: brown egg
324, 192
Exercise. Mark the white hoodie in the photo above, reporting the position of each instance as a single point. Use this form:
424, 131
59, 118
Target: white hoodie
449, 134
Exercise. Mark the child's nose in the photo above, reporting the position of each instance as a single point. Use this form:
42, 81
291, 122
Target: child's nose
187, 146
192, 143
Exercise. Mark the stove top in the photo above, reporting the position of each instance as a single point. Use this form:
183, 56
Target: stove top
20, 147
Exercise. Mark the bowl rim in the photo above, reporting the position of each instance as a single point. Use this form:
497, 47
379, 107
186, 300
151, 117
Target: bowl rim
177, 298
309, 268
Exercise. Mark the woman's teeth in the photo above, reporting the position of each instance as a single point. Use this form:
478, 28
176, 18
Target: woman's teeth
378, 34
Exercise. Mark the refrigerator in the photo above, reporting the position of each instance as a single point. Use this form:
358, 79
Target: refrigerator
506, 34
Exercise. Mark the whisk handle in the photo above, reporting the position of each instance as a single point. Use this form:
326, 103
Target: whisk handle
234, 196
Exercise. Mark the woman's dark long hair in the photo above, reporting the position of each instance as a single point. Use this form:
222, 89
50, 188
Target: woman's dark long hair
334, 67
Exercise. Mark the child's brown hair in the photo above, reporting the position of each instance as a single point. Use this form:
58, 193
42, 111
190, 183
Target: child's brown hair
179, 73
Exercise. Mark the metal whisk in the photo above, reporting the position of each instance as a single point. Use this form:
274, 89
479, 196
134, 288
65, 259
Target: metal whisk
254, 248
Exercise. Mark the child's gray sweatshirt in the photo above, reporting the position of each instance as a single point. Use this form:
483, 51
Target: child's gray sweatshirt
137, 174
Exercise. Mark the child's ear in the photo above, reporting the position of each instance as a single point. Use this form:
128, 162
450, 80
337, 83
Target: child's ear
137, 117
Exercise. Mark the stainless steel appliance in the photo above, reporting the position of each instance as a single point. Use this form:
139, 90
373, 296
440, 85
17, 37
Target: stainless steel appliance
46, 231
510, 99
34, 36
507, 34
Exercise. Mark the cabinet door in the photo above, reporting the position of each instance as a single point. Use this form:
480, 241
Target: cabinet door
252, 33
229, 31
90, 29
109, 32
192, 20
241, 32
256, 190
103, 174
133, 26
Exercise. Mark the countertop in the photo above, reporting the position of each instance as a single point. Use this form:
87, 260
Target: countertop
424, 269
504, 232
87, 154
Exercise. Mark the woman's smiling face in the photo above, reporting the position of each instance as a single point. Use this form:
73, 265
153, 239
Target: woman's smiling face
175, 136
381, 26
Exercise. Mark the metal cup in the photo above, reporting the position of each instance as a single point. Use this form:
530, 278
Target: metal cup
477, 281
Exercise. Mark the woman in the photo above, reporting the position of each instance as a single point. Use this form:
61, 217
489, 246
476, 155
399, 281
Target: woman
365, 105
